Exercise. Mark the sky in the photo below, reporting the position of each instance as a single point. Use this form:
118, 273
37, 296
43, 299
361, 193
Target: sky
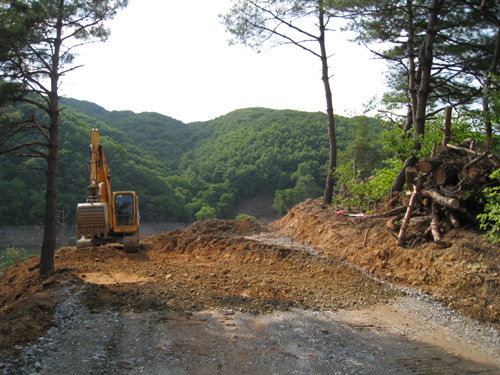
173, 57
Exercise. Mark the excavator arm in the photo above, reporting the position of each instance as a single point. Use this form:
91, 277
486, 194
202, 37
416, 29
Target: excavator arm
99, 187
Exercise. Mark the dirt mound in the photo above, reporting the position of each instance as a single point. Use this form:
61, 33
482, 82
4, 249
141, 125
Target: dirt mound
212, 264
462, 270
245, 267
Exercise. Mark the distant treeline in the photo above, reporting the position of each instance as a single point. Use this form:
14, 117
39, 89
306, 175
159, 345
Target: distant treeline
182, 172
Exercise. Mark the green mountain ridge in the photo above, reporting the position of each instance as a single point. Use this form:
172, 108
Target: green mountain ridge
180, 171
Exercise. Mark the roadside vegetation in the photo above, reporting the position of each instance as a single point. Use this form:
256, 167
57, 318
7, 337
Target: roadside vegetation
12, 255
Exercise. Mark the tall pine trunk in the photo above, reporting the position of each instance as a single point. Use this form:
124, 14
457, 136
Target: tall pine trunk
50, 221
423, 78
332, 163
486, 110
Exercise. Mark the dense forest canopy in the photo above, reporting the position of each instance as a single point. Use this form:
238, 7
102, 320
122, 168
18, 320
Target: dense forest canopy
181, 169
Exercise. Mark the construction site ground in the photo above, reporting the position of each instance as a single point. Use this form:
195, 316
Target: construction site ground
315, 292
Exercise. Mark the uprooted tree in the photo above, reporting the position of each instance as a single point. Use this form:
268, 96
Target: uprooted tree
38, 39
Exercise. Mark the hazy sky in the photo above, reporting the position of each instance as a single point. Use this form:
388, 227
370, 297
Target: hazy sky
172, 57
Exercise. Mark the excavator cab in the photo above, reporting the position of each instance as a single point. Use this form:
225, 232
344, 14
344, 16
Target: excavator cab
126, 216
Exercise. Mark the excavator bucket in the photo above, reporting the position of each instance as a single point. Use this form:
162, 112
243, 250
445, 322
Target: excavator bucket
91, 222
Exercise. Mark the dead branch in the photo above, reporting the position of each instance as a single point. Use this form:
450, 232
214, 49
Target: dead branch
366, 236
435, 224
409, 211
466, 150
474, 161
441, 199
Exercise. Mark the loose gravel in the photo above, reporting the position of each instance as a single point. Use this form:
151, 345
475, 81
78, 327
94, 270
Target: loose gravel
414, 334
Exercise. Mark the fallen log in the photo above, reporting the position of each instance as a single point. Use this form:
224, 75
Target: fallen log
393, 200
441, 176
409, 211
474, 175
493, 158
436, 183
466, 150
454, 221
410, 175
477, 159
468, 143
427, 165
435, 224
441, 199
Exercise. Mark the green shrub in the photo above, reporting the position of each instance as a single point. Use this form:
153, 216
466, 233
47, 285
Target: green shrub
489, 220
363, 196
242, 217
12, 255
206, 212
284, 200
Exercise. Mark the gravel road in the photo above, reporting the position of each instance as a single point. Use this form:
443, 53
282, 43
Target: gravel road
413, 334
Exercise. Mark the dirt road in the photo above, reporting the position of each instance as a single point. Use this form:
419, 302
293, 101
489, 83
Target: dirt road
233, 297
408, 335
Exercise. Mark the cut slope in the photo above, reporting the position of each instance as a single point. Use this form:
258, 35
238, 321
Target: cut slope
462, 271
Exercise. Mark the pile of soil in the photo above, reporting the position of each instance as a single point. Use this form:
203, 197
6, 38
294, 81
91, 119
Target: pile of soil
242, 266
462, 270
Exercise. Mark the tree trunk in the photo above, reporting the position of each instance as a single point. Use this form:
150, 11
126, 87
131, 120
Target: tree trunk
409, 121
50, 222
423, 78
412, 73
486, 89
447, 126
399, 181
332, 164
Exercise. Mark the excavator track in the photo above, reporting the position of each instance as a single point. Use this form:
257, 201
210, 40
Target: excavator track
131, 242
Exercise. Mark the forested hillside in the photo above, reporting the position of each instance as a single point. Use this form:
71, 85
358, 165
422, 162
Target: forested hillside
185, 171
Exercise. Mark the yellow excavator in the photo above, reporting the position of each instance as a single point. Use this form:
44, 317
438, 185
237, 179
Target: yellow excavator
106, 217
